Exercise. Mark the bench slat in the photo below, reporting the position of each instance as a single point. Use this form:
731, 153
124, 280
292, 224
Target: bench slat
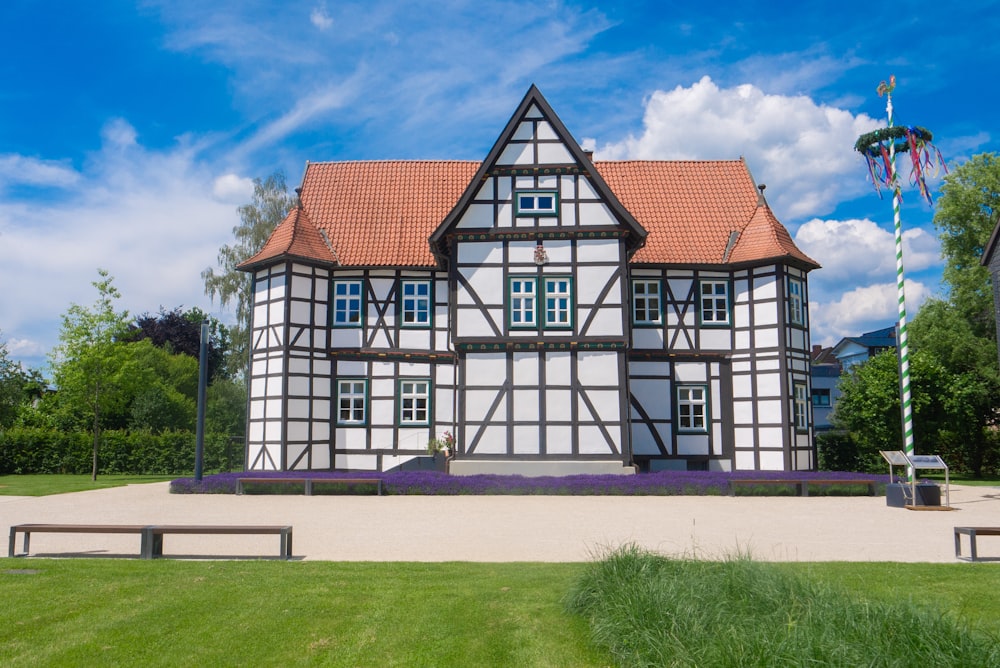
151, 542
307, 482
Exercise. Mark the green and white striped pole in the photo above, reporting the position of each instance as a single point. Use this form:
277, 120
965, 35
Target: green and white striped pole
903, 342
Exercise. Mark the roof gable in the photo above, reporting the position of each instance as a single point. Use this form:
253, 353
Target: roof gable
533, 141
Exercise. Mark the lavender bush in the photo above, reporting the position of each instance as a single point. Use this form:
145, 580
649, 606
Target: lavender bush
661, 483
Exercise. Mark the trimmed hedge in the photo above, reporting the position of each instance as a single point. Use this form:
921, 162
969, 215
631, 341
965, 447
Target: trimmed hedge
42, 450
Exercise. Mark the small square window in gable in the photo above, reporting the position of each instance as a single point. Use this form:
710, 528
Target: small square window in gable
536, 203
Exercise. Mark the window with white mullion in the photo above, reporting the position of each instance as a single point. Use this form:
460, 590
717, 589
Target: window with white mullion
347, 303
646, 308
558, 302
796, 305
715, 302
801, 407
416, 304
536, 203
414, 402
692, 408
352, 402
523, 301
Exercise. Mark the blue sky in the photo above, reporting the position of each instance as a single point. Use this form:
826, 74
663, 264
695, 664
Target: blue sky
130, 132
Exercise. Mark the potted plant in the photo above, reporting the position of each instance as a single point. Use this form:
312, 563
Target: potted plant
444, 444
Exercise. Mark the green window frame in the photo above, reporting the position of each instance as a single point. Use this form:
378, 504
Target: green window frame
558, 295
523, 311
536, 203
801, 401
692, 409
796, 302
714, 305
647, 301
415, 303
414, 401
352, 402
348, 303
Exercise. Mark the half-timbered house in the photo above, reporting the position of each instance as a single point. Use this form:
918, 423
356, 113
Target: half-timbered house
554, 313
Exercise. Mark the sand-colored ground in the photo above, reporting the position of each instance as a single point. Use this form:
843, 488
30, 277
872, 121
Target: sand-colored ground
517, 528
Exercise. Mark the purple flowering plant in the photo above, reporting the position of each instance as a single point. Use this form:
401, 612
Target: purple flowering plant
660, 483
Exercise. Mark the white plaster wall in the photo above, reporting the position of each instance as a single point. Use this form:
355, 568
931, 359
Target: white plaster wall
493, 441
557, 368
772, 460
715, 339
552, 154
526, 368
557, 405
596, 213
606, 403
471, 252
487, 282
592, 441
691, 444
647, 338
597, 368
356, 462
558, 439
766, 338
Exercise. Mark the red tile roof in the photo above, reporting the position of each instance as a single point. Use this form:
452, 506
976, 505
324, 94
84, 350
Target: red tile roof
381, 213
295, 237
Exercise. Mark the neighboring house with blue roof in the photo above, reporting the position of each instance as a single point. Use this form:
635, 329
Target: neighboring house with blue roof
859, 349
825, 375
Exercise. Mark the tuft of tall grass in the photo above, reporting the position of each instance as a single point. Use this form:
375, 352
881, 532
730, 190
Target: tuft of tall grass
651, 610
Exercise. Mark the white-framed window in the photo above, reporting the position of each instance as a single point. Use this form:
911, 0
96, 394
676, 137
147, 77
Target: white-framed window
692, 408
348, 303
646, 302
414, 401
558, 302
352, 401
523, 301
415, 306
801, 406
796, 305
714, 302
536, 203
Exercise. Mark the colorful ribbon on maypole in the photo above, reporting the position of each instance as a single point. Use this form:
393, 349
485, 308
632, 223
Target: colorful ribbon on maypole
879, 149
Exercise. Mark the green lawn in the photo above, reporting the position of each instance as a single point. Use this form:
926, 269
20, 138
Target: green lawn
43, 485
89, 612
86, 612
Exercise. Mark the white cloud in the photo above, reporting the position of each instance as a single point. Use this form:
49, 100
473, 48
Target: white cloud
319, 18
119, 132
233, 188
802, 150
863, 309
32, 171
853, 249
153, 219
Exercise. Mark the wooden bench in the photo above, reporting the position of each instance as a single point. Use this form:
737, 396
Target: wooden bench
28, 529
153, 545
151, 536
802, 485
973, 533
307, 483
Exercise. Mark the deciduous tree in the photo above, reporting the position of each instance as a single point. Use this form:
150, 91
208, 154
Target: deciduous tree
89, 363
269, 205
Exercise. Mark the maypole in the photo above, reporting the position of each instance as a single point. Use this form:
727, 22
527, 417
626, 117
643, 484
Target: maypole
879, 149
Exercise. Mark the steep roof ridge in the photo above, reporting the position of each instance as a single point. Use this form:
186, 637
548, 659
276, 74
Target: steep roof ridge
764, 237
295, 237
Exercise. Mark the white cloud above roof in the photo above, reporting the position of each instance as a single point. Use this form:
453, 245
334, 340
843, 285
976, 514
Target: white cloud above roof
803, 151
